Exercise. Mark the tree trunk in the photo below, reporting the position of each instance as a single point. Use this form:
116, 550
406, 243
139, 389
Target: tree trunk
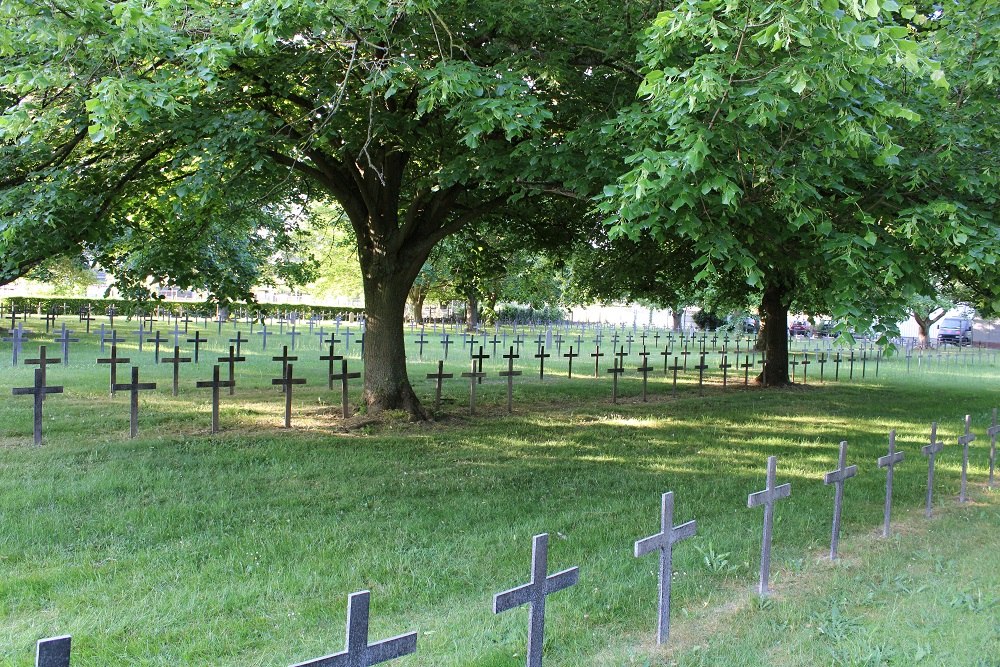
417, 304
471, 314
774, 314
387, 386
923, 332
677, 315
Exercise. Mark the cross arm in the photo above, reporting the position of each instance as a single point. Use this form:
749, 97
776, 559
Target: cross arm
839, 475
515, 597
561, 580
767, 495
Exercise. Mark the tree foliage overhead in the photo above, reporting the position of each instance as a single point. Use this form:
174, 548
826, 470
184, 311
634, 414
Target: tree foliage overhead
835, 148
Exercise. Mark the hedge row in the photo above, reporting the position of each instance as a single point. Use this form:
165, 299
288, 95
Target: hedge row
128, 308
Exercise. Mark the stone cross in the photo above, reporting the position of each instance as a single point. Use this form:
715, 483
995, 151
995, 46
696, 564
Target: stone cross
438, 378
344, 376
822, 362
534, 593
964, 441
474, 378
805, 368
53, 652
44, 360
330, 358
65, 340
597, 354
421, 341
725, 366
347, 340
141, 334
510, 374
50, 320
175, 361
541, 355
889, 462
284, 359
294, 334
701, 368
215, 384
134, 388
664, 543
111, 312
838, 477
239, 340
676, 367
39, 390
197, 340
478, 359
359, 652
287, 381
232, 360
446, 341
746, 366
767, 498
157, 340
992, 431
263, 333
615, 371
114, 360
645, 369
571, 356
930, 450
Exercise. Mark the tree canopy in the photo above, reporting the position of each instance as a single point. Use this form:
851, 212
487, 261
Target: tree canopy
825, 152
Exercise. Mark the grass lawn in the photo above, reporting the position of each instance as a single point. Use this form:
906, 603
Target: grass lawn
179, 548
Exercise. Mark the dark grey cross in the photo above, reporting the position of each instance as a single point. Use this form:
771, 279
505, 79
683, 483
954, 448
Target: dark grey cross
684, 353
175, 361
220, 320
510, 374
176, 333
421, 341
597, 354
359, 652
889, 462
114, 360
822, 362
330, 358
284, 359
65, 340
534, 593
541, 355
281, 325
850, 376
347, 341
141, 335
645, 369
344, 376
263, 333
725, 366
795, 364
964, 441
446, 341
53, 652
474, 378
215, 384
43, 361
287, 381
134, 388
86, 318
676, 367
187, 321
666, 359
571, 356
930, 450
471, 341
615, 371
664, 543
478, 359
805, 368
320, 334
294, 334
111, 312
231, 361
746, 366
701, 368
992, 431
333, 340
239, 340
197, 340
838, 477
438, 378
836, 367
558, 341
39, 390
14, 317
157, 340
767, 498
494, 342
50, 320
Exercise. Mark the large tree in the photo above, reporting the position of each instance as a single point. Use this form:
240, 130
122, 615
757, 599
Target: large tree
416, 117
833, 155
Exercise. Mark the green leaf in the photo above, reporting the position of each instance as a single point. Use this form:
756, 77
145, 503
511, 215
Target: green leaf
871, 8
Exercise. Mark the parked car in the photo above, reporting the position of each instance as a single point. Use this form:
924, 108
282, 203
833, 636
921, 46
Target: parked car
955, 331
799, 328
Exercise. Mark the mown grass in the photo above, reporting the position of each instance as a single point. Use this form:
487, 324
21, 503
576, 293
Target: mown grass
179, 548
